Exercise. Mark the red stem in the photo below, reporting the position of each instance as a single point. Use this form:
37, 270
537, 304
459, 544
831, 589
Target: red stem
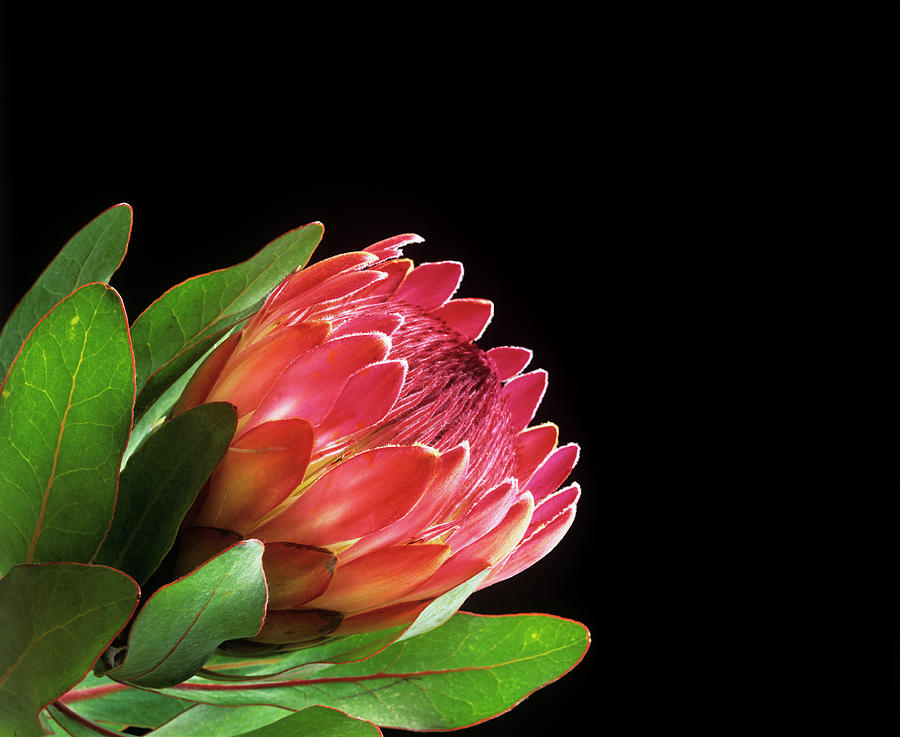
74, 715
90, 693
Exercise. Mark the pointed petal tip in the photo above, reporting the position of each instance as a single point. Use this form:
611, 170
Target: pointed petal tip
553, 505
468, 316
433, 452
510, 360
548, 426
365, 400
398, 241
537, 543
431, 284
554, 470
390, 247
574, 448
524, 395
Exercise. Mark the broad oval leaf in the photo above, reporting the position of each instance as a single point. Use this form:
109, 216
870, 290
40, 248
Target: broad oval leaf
57, 620
205, 304
181, 625
160, 483
265, 721
65, 416
445, 606
91, 255
180, 364
155, 414
470, 669
317, 721
202, 720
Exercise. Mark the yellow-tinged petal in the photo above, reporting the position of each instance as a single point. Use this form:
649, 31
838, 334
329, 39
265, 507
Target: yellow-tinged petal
259, 470
252, 373
311, 384
380, 619
356, 497
485, 552
382, 576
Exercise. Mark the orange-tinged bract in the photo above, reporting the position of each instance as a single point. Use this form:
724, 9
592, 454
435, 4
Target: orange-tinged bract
381, 455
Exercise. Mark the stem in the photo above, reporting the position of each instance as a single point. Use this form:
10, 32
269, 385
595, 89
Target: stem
75, 716
91, 693
95, 692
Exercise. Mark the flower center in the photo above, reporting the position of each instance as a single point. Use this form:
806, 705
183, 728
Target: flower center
451, 394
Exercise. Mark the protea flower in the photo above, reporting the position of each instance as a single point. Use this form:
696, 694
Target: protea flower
380, 454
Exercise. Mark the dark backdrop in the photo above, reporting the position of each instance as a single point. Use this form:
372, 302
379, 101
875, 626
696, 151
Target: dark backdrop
500, 163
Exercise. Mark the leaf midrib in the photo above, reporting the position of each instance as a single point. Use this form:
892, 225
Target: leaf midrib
368, 677
187, 631
38, 530
36, 640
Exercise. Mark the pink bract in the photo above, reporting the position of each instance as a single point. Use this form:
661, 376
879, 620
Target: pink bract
381, 455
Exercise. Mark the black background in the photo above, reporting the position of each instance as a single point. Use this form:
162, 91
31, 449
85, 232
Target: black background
494, 144
641, 193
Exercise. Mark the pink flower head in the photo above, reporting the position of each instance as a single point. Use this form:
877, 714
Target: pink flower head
380, 454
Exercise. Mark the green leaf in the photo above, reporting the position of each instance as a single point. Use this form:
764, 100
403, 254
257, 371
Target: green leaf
264, 721
49, 725
208, 303
445, 606
308, 662
317, 721
154, 415
159, 382
202, 720
113, 703
184, 622
57, 620
160, 483
300, 663
91, 255
470, 669
65, 722
65, 415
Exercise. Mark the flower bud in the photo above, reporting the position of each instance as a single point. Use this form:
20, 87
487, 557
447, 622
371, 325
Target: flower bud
380, 454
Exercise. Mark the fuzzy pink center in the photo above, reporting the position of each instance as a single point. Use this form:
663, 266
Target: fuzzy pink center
451, 394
